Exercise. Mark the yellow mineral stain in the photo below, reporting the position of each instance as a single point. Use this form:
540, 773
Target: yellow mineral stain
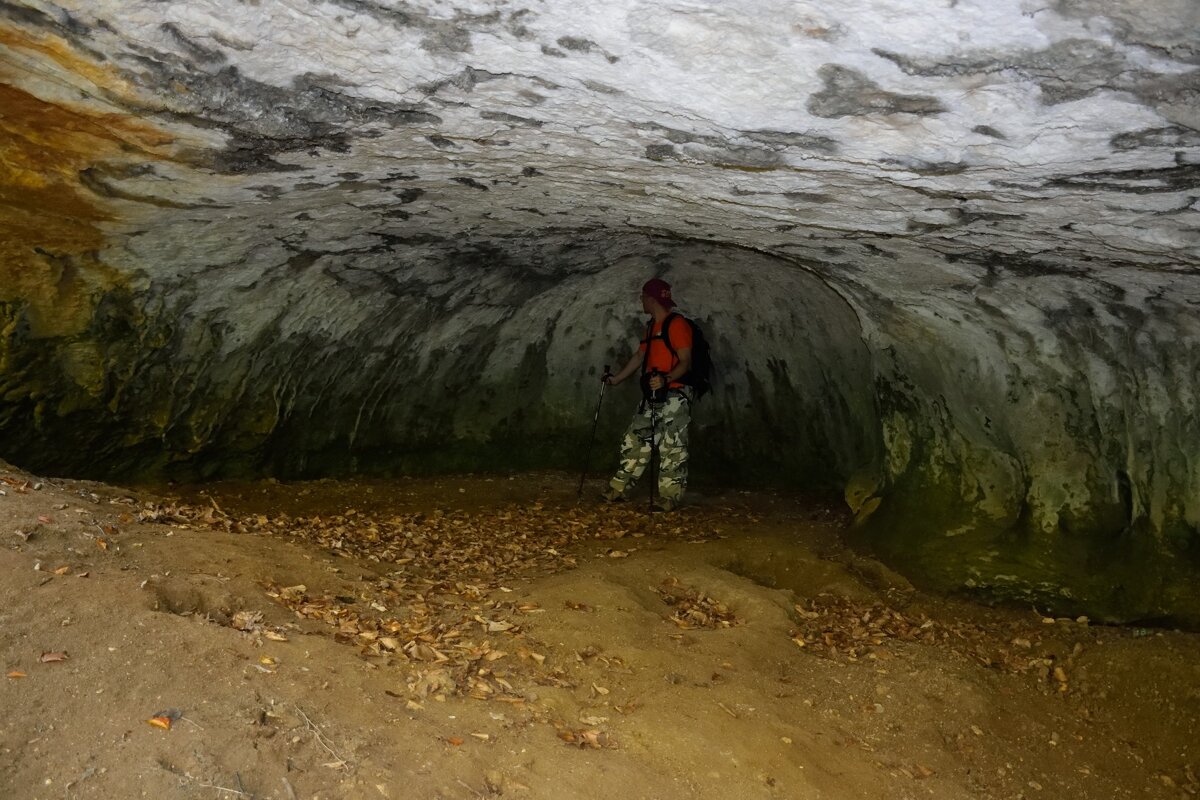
52, 127
50, 231
52, 58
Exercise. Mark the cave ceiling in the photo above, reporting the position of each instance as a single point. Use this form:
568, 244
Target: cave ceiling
179, 135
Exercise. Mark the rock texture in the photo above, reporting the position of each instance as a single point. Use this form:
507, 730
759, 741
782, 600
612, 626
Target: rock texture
947, 253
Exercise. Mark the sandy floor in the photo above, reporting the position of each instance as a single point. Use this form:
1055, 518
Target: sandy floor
474, 637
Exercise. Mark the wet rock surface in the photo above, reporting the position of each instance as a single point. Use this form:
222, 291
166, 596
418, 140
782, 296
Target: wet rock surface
947, 255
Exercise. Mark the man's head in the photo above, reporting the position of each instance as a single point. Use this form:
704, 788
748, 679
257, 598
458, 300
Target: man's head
656, 290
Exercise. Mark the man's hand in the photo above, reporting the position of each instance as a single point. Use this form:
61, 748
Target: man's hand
609, 379
631, 367
657, 381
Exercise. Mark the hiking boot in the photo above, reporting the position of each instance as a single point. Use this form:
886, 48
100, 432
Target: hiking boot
611, 495
665, 504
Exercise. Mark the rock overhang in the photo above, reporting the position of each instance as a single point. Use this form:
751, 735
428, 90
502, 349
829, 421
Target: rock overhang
950, 252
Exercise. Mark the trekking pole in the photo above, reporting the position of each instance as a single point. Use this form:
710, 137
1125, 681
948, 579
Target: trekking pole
653, 457
595, 421
654, 466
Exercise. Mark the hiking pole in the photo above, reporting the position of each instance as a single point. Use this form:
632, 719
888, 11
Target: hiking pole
653, 457
595, 422
654, 466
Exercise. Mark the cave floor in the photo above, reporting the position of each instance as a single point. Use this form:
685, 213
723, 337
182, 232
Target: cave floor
475, 637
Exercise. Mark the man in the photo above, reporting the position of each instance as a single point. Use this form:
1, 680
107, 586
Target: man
667, 412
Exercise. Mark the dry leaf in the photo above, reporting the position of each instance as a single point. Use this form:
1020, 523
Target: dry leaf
44, 519
275, 636
102, 543
593, 739
48, 658
17, 674
454, 740
494, 626
246, 620
165, 718
62, 570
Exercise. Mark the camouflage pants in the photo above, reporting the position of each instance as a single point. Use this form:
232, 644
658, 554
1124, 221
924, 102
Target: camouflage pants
670, 424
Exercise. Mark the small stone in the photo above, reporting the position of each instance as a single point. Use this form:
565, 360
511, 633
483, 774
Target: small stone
494, 780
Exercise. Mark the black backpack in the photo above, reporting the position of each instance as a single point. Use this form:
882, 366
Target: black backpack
699, 377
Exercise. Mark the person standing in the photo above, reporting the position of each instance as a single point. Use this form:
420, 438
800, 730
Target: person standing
663, 359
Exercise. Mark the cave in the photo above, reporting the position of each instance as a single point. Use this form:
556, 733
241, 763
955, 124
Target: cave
946, 257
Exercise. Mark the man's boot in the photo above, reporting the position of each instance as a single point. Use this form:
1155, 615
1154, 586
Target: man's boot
611, 494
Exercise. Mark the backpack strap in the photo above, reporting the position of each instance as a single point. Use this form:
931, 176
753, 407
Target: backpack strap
646, 341
666, 334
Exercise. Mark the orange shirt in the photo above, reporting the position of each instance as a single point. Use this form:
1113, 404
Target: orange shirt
660, 356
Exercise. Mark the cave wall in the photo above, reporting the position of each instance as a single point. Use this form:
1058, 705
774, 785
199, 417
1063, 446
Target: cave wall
1040, 434
417, 361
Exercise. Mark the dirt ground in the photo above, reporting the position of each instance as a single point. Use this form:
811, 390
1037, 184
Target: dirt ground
482, 637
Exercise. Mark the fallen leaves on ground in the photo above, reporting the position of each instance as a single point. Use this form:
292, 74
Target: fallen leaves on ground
247, 621
693, 608
20, 486
53, 657
433, 606
439, 608
585, 738
839, 628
